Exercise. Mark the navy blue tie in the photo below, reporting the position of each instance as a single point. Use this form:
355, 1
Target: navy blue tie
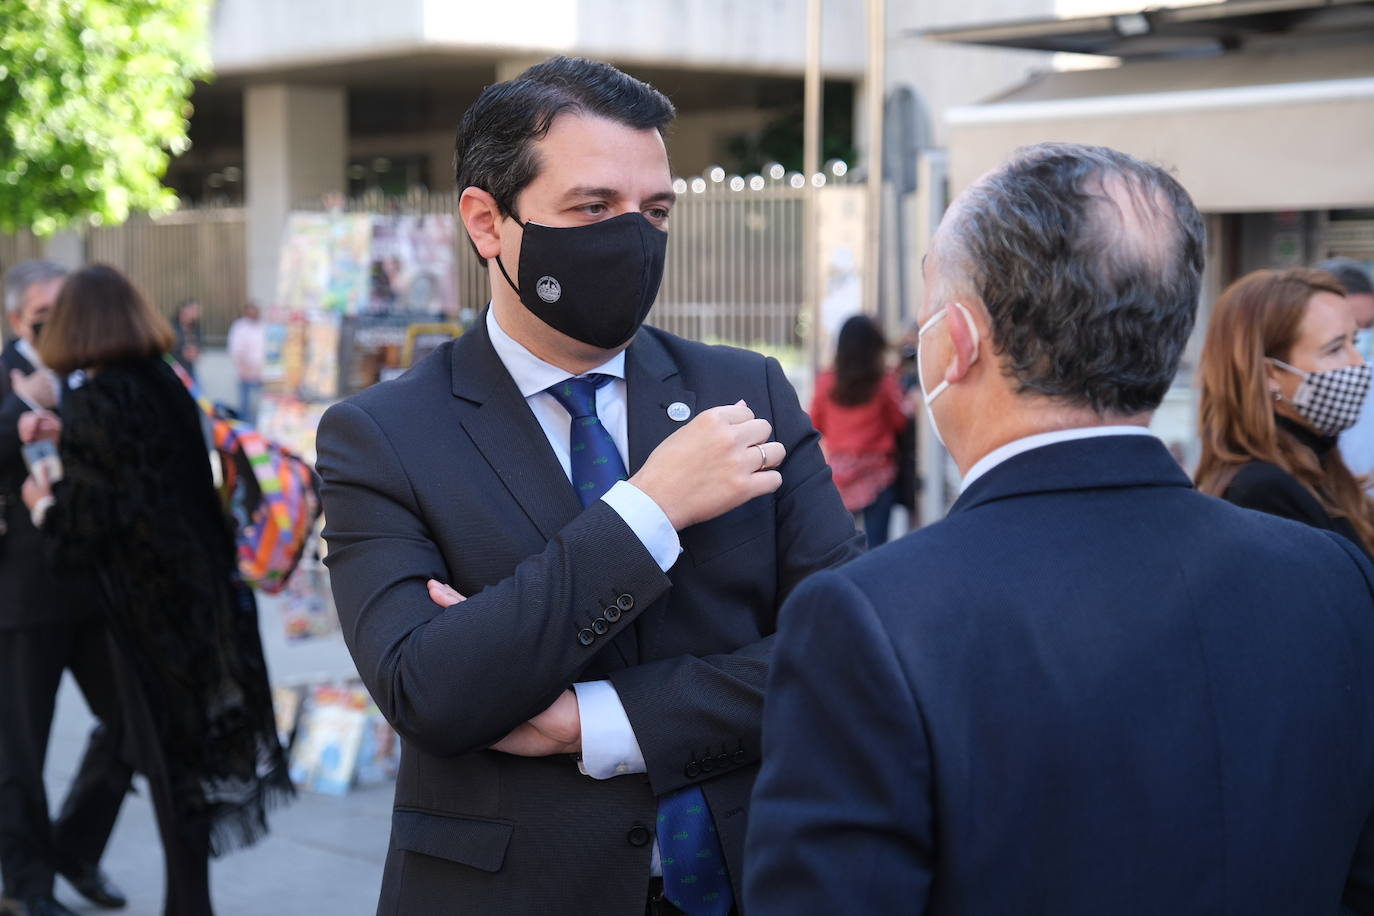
695, 878
596, 462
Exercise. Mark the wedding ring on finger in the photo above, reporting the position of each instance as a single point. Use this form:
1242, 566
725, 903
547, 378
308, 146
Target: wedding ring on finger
763, 458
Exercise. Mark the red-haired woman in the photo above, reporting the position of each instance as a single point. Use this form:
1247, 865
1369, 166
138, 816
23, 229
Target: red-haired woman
1281, 378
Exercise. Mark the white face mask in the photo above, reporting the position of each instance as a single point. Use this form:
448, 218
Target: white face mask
929, 397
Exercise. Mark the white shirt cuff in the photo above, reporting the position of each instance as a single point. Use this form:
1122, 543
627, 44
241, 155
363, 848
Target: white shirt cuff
609, 746
647, 521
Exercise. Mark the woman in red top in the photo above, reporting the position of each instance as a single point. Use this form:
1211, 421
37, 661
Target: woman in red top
859, 410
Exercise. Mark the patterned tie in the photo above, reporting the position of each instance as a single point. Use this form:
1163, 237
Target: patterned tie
695, 878
596, 462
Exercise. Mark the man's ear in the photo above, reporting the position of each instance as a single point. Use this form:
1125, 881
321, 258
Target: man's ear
964, 338
482, 217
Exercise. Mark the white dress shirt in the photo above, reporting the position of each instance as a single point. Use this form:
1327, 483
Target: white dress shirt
1020, 446
609, 746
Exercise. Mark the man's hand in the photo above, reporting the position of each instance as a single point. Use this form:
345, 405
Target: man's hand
38, 387
39, 425
556, 730
720, 460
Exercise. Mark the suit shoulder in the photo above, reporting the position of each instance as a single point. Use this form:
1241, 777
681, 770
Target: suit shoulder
695, 354
428, 377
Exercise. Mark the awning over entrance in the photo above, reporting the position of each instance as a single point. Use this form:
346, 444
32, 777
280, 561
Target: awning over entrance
1272, 130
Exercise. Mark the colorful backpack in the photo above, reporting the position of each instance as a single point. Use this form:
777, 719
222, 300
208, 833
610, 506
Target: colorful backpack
272, 496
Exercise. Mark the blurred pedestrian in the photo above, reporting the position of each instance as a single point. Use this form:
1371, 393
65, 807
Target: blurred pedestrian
858, 408
1281, 379
1357, 442
248, 350
135, 503
187, 342
48, 624
1089, 690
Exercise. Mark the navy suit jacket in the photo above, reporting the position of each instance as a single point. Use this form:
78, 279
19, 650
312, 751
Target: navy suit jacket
446, 473
30, 594
1089, 690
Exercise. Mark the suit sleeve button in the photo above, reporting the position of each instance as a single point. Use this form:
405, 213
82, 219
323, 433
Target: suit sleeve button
739, 756
586, 637
611, 613
625, 602
600, 627
708, 765
639, 835
693, 770
723, 761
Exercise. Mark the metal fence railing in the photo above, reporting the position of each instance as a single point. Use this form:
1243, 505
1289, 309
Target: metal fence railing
734, 274
16, 248
735, 257
198, 253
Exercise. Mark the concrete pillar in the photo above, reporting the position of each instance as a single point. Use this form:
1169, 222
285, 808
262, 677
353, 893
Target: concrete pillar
295, 146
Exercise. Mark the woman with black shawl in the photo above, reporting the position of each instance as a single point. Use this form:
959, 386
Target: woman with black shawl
136, 503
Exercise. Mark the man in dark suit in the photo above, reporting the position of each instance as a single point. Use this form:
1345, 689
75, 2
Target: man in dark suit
1090, 689
623, 509
48, 623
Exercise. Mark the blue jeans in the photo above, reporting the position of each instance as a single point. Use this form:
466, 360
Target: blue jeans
877, 517
248, 400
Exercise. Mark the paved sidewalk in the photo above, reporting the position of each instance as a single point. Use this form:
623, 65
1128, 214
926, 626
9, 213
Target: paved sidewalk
324, 854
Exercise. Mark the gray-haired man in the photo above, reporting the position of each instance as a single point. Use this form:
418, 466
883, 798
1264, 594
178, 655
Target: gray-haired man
48, 623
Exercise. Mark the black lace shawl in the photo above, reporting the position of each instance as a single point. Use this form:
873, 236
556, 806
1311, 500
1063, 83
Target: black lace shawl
138, 505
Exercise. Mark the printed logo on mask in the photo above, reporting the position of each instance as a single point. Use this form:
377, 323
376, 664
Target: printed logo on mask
549, 289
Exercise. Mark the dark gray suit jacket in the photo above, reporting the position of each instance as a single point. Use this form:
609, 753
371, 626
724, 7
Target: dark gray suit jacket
30, 595
446, 474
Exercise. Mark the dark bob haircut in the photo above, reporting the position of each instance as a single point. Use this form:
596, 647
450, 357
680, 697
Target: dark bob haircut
100, 318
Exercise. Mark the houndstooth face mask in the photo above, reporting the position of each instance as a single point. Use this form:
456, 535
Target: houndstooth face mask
1332, 400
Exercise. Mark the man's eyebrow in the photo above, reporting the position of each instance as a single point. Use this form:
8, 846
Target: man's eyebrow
581, 192
1339, 338
584, 193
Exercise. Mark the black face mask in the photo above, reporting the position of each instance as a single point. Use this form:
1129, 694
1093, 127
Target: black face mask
593, 283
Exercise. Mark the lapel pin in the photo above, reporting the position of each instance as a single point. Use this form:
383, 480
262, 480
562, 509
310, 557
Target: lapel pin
678, 411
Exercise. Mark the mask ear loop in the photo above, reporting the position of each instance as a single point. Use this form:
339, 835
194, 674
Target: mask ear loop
973, 329
502, 266
1306, 377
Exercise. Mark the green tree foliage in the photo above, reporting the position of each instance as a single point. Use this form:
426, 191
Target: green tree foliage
93, 102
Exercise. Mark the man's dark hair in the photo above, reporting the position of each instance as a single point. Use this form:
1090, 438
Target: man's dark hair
1089, 262
1350, 274
494, 148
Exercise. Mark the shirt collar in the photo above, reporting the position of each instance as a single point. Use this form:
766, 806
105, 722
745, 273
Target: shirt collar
531, 374
1019, 446
29, 352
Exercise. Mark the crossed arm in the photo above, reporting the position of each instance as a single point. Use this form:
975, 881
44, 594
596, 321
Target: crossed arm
493, 671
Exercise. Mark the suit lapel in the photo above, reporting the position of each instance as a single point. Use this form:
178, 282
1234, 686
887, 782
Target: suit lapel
652, 385
509, 437
14, 359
